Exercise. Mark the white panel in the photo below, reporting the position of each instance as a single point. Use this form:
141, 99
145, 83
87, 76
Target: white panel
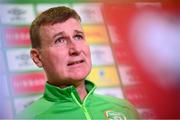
16, 14
89, 12
20, 60
101, 55
116, 92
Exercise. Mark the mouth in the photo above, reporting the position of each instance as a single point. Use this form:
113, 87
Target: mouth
75, 62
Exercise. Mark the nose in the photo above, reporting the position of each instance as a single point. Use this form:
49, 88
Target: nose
74, 49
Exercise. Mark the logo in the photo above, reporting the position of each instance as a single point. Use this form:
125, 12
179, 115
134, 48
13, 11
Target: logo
28, 83
100, 53
19, 60
104, 76
17, 36
17, 13
23, 59
112, 115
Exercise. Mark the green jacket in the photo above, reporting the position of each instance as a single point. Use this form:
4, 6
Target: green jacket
65, 103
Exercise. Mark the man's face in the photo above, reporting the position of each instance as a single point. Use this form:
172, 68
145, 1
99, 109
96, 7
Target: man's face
64, 54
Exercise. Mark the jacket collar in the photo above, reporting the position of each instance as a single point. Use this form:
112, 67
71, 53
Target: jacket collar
54, 93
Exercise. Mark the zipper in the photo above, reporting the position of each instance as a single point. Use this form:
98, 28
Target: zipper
83, 105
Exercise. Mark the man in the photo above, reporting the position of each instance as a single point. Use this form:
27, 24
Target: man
59, 46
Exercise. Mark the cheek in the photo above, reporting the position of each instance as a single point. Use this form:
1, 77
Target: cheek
53, 58
87, 52
88, 56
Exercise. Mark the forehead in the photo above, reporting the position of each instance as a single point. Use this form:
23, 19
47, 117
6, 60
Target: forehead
69, 25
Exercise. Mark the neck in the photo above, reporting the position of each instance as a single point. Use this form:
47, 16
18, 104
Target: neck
81, 90
80, 87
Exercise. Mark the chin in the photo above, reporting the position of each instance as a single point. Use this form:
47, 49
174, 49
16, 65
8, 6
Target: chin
80, 77
79, 74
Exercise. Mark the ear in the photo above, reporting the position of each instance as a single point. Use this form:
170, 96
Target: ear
36, 57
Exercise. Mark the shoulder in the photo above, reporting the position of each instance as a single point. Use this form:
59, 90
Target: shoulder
111, 99
118, 104
35, 108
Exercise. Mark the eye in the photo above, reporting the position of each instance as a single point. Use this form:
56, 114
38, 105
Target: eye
79, 37
60, 40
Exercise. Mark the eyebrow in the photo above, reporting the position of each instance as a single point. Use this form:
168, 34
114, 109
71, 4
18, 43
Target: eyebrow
63, 33
57, 34
78, 31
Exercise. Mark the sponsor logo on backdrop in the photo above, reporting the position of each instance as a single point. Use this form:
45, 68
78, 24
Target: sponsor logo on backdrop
96, 34
90, 13
17, 14
136, 95
104, 76
101, 55
17, 36
127, 75
19, 60
28, 83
